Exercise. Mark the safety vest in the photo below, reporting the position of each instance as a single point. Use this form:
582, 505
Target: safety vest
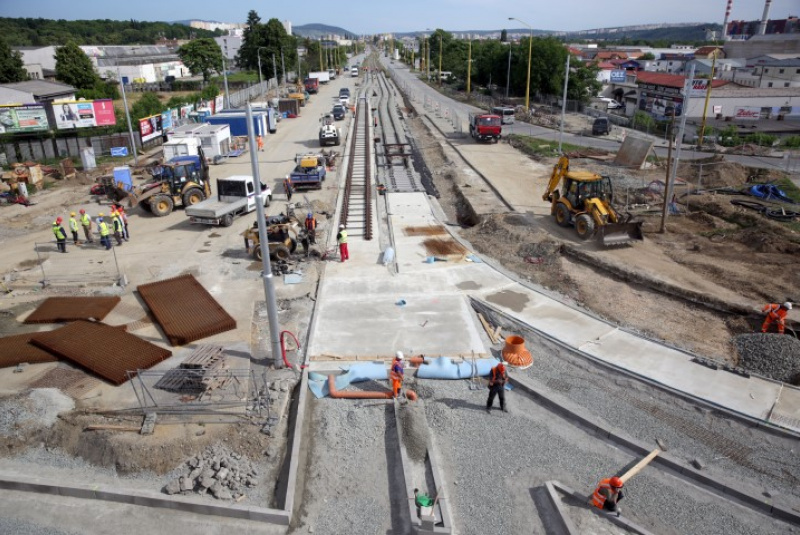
497, 377
397, 371
342, 236
73, 225
598, 499
86, 221
103, 228
311, 223
59, 232
117, 224
775, 312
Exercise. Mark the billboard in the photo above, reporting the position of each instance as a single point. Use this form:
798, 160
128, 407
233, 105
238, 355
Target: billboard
166, 121
84, 114
699, 88
150, 127
617, 76
23, 118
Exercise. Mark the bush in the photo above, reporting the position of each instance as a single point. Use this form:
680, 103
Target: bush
762, 140
729, 137
792, 142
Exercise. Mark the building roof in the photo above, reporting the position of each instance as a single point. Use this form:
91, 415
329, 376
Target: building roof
669, 80
732, 62
42, 88
611, 54
706, 50
606, 66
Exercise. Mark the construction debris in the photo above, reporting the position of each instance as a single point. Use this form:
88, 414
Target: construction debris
218, 471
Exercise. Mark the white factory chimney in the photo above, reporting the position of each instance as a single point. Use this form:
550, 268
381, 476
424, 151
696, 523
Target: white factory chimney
725, 23
764, 18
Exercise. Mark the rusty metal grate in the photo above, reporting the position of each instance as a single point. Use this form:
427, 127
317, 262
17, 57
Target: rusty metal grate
185, 310
426, 230
436, 246
17, 349
107, 351
66, 309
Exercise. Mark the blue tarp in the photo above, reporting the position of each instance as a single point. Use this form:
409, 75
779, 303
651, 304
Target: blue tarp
445, 368
368, 371
768, 191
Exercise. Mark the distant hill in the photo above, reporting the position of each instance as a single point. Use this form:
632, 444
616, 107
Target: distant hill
679, 32
315, 31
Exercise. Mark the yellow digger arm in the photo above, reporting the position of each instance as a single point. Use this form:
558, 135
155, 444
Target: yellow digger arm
559, 170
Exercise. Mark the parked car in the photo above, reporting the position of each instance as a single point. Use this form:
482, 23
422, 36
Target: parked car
610, 103
339, 112
601, 127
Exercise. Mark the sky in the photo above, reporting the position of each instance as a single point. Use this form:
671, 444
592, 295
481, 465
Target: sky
383, 16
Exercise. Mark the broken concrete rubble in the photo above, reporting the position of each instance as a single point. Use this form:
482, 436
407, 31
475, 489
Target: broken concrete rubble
217, 471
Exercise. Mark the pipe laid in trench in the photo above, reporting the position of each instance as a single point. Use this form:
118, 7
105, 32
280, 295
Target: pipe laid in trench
336, 394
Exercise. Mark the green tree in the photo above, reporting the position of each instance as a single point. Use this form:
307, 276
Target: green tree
202, 56
583, 83
74, 67
252, 38
146, 106
12, 68
209, 92
646, 56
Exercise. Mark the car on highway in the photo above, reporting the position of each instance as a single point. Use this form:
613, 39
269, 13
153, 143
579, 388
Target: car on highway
339, 112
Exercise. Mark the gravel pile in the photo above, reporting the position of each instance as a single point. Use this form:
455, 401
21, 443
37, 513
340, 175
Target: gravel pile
20, 527
772, 355
36, 409
217, 471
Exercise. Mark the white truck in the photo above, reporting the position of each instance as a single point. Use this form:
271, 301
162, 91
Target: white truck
236, 195
322, 76
329, 133
184, 146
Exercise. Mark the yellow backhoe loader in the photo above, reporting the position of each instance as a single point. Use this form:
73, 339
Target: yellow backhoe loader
585, 201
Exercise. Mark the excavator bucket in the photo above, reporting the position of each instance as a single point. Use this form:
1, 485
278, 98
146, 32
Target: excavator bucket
620, 233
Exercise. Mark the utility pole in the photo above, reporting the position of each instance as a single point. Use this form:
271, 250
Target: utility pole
508, 74
260, 81
708, 97
283, 68
266, 273
275, 69
320, 55
663, 228
440, 60
299, 67
128, 116
687, 91
469, 66
225, 81
564, 104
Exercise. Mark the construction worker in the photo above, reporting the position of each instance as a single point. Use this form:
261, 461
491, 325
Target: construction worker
288, 189
73, 227
260, 142
497, 386
116, 224
775, 314
124, 218
396, 373
608, 494
311, 228
341, 239
86, 223
103, 227
61, 236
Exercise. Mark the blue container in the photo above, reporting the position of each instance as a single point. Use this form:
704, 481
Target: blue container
123, 178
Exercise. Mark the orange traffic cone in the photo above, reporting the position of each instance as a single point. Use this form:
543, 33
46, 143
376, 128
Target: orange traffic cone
515, 354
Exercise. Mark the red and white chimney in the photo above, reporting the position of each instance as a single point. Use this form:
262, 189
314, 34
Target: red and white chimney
764, 18
725, 23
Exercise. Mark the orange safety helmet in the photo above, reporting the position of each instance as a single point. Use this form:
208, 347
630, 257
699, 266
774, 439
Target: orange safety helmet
616, 482
59, 220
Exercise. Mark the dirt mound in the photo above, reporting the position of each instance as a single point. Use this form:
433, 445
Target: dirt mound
714, 173
772, 355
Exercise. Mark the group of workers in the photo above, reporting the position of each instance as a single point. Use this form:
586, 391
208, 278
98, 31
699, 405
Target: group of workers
118, 227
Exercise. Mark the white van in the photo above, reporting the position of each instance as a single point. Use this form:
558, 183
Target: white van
505, 112
354, 71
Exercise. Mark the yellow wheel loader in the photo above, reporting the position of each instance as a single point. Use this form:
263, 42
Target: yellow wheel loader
585, 201
282, 236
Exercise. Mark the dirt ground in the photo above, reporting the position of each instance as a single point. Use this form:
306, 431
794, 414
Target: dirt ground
738, 260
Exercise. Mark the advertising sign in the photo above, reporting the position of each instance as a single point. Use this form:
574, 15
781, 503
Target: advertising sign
747, 113
84, 114
119, 151
617, 76
699, 88
23, 118
166, 121
150, 127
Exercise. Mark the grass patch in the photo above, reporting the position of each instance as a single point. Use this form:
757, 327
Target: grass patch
789, 188
540, 147
242, 76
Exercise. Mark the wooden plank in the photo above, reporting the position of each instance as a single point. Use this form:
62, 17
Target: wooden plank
638, 467
104, 427
487, 328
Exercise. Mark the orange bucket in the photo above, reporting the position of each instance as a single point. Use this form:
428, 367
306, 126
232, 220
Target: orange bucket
515, 354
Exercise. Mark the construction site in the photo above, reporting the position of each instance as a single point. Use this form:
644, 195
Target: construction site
143, 387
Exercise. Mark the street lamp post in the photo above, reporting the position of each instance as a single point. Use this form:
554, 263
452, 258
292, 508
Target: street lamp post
225, 80
508, 74
283, 68
530, 50
440, 60
564, 104
469, 66
128, 116
258, 54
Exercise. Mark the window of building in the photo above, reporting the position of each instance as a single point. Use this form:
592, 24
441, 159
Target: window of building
769, 84
780, 71
766, 70
786, 84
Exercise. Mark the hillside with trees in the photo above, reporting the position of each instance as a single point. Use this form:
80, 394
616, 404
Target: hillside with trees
44, 32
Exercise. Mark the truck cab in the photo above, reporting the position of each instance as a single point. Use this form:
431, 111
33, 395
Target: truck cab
236, 195
312, 85
485, 126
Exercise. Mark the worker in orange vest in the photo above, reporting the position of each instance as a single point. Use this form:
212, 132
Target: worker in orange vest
497, 386
397, 373
608, 494
260, 142
311, 227
775, 314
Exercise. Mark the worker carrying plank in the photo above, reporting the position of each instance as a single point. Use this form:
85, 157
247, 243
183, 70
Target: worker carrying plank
775, 314
608, 493
397, 373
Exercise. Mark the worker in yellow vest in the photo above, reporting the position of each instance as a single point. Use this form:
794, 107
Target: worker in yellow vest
103, 226
116, 223
73, 227
61, 236
86, 223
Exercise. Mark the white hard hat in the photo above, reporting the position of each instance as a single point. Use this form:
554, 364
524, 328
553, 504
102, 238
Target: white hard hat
341, 226
787, 305
399, 355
